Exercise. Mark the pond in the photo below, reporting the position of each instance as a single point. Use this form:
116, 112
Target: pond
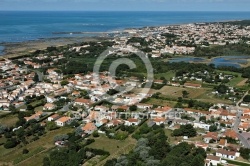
234, 61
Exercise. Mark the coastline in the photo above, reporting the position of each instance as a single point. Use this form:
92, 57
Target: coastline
16, 49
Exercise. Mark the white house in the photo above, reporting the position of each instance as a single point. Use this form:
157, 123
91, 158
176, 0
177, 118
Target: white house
227, 154
212, 160
63, 121
202, 125
132, 121
53, 117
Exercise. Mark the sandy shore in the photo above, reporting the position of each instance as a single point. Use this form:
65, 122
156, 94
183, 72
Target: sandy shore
22, 48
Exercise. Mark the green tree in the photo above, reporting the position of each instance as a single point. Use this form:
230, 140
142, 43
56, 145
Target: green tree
51, 126
133, 108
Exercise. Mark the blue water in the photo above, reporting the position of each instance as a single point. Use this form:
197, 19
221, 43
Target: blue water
232, 61
1, 50
24, 26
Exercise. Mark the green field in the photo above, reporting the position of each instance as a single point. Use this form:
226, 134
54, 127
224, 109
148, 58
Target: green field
46, 142
9, 120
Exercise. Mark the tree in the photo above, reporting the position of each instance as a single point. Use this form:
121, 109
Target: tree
212, 128
36, 78
245, 153
203, 118
185, 130
184, 94
25, 151
51, 126
3, 129
11, 143
133, 108
64, 82
95, 134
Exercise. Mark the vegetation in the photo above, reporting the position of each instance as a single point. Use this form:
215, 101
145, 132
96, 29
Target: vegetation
185, 130
152, 149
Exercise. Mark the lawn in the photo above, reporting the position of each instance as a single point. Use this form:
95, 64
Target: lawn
175, 92
209, 97
9, 120
104, 143
237, 163
116, 148
46, 141
161, 102
168, 75
37, 109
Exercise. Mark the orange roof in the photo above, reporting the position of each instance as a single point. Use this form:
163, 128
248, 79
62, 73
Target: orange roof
246, 111
212, 135
89, 126
231, 133
54, 116
159, 119
222, 142
244, 125
193, 85
80, 100
63, 119
132, 120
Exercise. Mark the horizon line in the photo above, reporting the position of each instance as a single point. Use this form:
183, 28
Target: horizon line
120, 11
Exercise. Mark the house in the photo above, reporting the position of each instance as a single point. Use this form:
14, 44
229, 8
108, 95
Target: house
89, 128
212, 160
53, 117
132, 121
60, 92
158, 81
246, 112
63, 121
49, 106
159, 120
231, 134
201, 145
161, 111
84, 102
35, 116
223, 143
210, 136
144, 106
190, 85
201, 125
119, 108
227, 154
115, 122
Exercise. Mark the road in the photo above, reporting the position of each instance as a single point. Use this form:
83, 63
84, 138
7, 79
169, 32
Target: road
243, 140
40, 74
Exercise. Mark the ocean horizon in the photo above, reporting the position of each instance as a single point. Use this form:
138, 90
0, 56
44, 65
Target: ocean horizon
21, 26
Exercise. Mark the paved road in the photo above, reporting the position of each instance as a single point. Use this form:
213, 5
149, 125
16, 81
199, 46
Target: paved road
40, 74
243, 140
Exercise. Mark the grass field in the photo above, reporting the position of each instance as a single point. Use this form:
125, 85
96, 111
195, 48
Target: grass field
175, 92
104, 143
9, 120
161, 102
237, 163
167, 75
46, 141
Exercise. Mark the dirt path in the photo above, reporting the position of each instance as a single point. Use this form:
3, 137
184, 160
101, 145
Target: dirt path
242, 83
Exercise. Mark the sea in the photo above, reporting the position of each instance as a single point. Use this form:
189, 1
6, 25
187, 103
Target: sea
19, 26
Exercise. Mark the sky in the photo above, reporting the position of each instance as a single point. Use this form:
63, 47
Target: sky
125, 5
